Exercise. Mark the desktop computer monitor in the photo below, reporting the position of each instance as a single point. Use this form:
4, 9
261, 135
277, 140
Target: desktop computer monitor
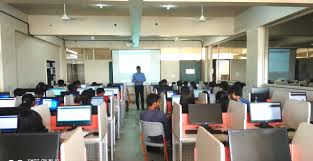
8, 123
7, 102
97, 100
74, 116
259, 145
80, 90
108, 93
300, 96
176, 98
4, 94
170, 94
29, 146
205, 114
114, 89
57, 91
259, 94
264, 113
53, 103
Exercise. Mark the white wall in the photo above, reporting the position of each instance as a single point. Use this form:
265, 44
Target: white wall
238, 70
96, 71
170, 71
31, 56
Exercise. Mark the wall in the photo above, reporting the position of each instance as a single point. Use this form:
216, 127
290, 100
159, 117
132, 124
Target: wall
31, 56
170, 71
238, 70
96, 71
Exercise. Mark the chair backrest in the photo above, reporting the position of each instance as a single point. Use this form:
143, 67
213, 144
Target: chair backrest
237, 115
208, 147
177, 123
149, 129
302, 143
73, 148
280, 96
18, 101
163, 103
203, 98
44, 112
69, 100
49, 94
295, 112
102, 120
216, 89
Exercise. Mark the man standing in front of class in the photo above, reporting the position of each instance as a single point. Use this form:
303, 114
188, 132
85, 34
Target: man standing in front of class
138, 79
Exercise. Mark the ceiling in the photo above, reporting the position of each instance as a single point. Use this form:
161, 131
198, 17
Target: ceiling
127, 38
121, 8
295, 33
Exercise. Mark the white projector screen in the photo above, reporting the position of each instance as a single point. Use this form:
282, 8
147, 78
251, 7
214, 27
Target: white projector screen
125, 63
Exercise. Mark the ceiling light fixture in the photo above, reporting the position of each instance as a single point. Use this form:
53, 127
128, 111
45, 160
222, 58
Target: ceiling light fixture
101, 5
71, 51
168, 6
92, 38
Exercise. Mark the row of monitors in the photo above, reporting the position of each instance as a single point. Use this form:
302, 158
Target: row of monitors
67, 116
170, 94
61, 91
262, 94
53, 102
205, 114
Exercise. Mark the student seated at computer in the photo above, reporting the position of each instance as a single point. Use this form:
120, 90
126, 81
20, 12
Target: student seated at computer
30, 121
152, 114
28, 101
186, 97
164, 87
72, 92
61, 83
39, 92
222, 96
193, 85
235, 93
77, 84
18, 94
86, 96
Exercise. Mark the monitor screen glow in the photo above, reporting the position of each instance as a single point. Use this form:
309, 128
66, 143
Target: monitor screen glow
8, 122
74, 115
265, 112
7, 102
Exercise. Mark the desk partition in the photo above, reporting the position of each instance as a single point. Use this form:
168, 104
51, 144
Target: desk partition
295, 112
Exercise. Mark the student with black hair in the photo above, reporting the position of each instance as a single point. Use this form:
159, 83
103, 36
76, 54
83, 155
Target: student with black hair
28, 100
77, 84
164, 87
186, 97
86, 96
193, 85
72, 95
100, 92
39, 92
18, 94
152, 114
222, 96
235, 94
30, 121
61, 83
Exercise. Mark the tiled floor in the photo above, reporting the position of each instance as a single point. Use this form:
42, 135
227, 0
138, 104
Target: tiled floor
128, 147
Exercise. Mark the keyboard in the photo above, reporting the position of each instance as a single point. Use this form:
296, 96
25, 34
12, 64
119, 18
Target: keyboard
195, 131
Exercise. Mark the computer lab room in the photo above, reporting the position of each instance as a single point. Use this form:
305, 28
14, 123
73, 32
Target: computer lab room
156, 80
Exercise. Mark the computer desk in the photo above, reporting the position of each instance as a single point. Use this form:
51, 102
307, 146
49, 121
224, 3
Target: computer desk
191, 138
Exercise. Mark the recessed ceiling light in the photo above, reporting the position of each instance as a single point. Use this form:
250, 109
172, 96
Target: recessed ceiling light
168, 6
101, 5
